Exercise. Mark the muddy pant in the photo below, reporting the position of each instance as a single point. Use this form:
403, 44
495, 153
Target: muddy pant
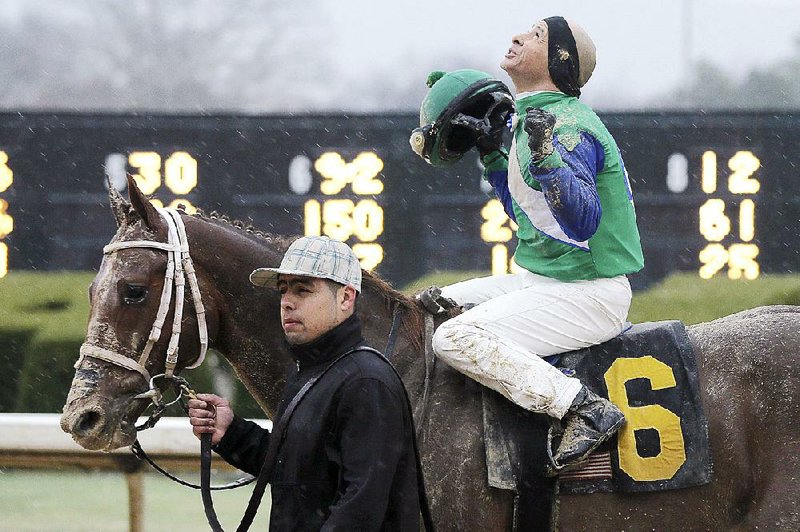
521, 317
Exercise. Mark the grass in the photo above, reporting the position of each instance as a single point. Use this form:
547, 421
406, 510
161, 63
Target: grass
56, 304
58, 501
686, 297
441, 278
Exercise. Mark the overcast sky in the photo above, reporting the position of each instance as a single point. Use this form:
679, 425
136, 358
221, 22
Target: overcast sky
356, 55
642, 45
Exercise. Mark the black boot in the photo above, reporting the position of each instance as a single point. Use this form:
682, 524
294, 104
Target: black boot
590, 420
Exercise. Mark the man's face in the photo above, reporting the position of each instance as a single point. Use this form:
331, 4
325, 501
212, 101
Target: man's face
311, 307
527, 57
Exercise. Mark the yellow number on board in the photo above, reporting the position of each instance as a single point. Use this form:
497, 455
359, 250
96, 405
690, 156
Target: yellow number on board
742, 261
361, 173
368, 220
6, 221
3, 259
714, 257
148, 164
180, 172
6, 174
714, 224
494, 229
369, 255
744, 164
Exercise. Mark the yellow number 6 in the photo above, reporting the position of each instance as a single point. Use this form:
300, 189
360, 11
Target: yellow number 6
672, 455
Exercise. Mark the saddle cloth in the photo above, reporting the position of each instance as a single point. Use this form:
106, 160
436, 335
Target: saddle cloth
649, 372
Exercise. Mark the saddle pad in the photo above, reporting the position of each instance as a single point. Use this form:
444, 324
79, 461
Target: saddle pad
649, 371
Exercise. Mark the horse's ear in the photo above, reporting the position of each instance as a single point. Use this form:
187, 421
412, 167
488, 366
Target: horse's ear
142, 206
119, 206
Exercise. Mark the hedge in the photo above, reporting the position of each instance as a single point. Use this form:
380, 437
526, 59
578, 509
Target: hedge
43, 319
681, 296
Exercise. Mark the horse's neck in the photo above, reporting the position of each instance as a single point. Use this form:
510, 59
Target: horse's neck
407, 352
249, 332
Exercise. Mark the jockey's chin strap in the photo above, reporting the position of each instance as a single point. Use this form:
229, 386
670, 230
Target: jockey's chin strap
179, 267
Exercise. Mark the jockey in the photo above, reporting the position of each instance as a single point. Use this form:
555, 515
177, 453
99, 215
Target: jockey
564, 184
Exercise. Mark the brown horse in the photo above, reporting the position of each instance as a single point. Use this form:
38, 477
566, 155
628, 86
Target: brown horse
749, 378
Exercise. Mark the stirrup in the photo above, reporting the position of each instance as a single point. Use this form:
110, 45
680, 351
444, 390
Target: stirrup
554, 435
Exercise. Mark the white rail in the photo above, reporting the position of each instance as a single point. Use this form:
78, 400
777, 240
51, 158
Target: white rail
37, 441
42, 433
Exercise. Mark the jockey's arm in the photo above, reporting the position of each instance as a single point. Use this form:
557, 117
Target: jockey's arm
569, 182
495, 171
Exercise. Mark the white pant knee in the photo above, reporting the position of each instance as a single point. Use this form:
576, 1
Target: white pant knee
505, 367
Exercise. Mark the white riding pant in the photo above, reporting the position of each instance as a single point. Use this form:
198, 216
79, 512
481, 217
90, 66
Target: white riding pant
521, 317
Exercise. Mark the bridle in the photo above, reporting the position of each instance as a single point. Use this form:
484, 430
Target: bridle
179, 268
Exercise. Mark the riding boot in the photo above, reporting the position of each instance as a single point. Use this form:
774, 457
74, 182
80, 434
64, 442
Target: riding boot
590, 420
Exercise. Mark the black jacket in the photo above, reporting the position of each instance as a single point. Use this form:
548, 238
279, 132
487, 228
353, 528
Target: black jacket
347, 461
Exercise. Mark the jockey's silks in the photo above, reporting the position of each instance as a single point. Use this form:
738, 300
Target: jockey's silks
553, 201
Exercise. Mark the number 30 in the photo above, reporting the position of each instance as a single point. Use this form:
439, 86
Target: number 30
672, 455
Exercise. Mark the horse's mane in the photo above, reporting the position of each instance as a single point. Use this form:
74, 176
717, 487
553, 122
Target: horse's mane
413, 315
281, 243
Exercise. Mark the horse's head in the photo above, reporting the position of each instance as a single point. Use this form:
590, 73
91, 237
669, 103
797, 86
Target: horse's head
132, 292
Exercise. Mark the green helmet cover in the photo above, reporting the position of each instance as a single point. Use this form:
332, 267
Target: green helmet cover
438, 140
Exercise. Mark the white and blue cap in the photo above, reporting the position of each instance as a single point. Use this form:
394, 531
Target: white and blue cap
314, 256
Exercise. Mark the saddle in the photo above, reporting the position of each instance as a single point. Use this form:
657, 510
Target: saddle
649, 372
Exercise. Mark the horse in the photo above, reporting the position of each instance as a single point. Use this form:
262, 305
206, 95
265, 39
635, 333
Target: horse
749, 379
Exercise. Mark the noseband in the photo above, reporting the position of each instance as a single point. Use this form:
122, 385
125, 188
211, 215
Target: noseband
179, 267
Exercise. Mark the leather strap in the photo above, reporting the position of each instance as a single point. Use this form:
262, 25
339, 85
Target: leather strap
392, 340
179, 269
279, 432
427, 519
93, 351
140, 453
205, 483
275, 440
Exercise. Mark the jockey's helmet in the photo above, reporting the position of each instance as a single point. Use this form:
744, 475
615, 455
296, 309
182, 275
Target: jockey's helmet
441, 139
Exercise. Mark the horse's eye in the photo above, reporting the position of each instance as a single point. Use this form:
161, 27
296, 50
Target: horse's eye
134, 293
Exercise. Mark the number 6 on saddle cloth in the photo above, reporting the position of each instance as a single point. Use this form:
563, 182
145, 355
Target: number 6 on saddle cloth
649, 372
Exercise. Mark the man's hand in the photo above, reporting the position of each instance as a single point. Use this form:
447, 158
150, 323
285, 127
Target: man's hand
539, 126
210, 413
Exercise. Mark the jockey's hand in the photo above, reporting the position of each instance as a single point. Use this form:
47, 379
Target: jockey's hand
539, 126
210, 413
487, 136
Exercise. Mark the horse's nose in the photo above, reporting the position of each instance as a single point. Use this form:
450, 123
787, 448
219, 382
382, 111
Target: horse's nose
86, 423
